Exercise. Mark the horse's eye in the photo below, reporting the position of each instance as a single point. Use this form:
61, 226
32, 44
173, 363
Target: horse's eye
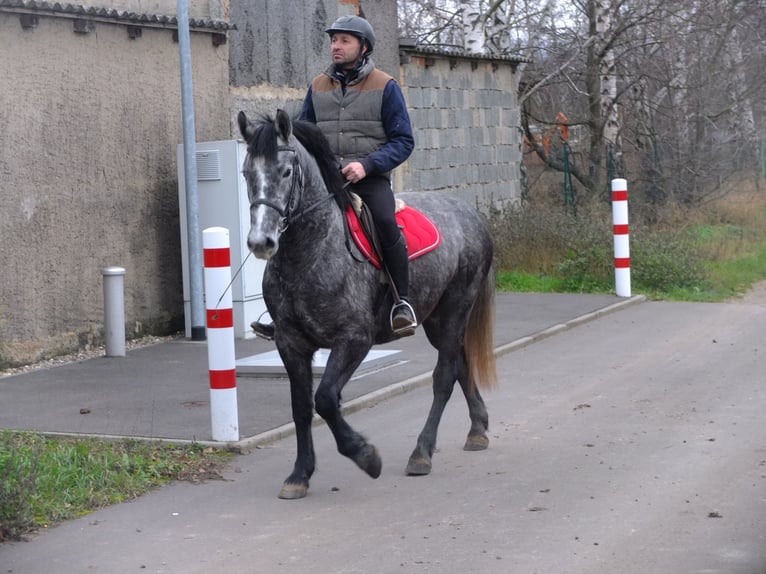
287, 172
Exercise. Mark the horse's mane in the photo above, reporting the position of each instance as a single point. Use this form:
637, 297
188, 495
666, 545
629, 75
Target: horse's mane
317, 145
264, 143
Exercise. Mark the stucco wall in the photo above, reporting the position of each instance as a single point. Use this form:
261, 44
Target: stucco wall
284, 44
277, 48
89, 124
88, 129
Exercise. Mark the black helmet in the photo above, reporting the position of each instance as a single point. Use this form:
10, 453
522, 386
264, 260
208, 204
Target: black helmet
357, 26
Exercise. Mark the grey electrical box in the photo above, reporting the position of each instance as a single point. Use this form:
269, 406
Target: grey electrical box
222, 193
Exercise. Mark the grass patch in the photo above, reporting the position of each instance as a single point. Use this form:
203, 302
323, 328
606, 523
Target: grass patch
44, 481
710, 253
525, 282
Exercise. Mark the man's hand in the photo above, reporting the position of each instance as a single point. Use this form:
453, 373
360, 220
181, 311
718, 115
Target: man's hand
354, 172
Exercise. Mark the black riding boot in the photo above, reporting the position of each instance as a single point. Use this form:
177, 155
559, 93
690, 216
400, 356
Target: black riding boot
403, 321
263, 330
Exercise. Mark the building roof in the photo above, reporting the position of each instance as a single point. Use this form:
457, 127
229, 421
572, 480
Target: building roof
102, 14
411, 47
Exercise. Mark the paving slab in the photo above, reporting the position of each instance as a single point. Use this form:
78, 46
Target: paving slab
162, 391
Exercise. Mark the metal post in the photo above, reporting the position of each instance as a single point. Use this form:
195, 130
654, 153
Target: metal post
190, 173
114, 310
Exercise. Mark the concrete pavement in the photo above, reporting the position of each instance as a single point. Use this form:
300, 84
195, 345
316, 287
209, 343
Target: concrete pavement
162, 391
631, 444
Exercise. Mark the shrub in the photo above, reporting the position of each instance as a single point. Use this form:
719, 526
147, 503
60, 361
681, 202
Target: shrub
664, 260
576, 249
579, 250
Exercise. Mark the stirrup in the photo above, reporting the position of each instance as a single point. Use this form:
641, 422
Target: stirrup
402, 325
263, 330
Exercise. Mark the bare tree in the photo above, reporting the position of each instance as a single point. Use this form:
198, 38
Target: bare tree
668, 92
476, 26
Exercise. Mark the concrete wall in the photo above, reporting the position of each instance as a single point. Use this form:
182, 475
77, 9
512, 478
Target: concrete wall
278, 47
466, 118
89, 124
464, 110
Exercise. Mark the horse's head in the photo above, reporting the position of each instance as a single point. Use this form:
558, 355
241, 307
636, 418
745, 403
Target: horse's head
274, 180
287, 162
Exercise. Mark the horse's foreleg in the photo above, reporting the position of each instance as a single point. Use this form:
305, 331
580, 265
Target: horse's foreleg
297, 484
444, 376
341, 364
477, 410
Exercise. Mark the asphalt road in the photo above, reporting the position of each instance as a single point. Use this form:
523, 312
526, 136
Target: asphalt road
635, 443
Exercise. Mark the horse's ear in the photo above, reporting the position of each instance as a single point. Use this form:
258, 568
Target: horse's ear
284, 125
245, 126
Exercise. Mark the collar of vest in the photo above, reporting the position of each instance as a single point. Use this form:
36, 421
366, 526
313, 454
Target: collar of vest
359, 73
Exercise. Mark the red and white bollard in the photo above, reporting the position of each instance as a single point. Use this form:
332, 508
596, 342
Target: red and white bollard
621, 237
224, 416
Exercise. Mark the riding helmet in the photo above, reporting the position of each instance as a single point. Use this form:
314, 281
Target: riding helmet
357, 26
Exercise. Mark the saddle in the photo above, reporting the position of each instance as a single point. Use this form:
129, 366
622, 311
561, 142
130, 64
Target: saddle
420, 233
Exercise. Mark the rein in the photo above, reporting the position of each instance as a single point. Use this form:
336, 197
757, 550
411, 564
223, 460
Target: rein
290, 214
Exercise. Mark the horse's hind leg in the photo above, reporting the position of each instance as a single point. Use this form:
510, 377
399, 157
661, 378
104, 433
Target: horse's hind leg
444, 376
477, 411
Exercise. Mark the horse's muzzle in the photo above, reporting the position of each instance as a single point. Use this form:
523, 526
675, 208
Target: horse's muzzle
262, 247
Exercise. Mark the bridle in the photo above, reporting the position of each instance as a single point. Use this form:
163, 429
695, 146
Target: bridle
293, 209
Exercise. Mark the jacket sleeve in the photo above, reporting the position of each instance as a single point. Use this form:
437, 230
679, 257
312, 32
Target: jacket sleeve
307, 112
396, 123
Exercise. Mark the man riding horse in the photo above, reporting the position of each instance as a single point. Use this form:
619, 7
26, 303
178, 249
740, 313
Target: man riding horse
361, 111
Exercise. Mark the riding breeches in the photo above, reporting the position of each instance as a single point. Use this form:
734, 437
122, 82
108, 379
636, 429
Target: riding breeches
377, 194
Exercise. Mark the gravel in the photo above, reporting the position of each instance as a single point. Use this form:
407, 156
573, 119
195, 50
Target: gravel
82, 355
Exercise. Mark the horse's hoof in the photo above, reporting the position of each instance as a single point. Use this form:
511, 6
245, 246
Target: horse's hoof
418, 466
292, 491
476, 442
369, 460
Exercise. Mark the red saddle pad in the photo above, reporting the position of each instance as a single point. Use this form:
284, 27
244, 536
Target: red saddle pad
420, 232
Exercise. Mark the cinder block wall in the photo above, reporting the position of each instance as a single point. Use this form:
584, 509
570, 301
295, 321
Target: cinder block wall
466, 118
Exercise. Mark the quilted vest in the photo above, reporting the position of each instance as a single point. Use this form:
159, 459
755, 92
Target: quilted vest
351, 121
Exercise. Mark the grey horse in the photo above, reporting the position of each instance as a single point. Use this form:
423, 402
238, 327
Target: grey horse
297, 202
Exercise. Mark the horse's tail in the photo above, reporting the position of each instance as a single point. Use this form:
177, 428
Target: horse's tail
479, 337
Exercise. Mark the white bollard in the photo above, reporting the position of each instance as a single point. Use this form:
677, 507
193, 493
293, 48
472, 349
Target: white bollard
621, 237
224, 417
114, 310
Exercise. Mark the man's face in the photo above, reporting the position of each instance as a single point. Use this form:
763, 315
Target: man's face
345, 49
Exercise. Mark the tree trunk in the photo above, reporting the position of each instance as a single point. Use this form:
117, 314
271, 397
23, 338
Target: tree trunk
742, 118
593, 89
473, 30
608, 93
